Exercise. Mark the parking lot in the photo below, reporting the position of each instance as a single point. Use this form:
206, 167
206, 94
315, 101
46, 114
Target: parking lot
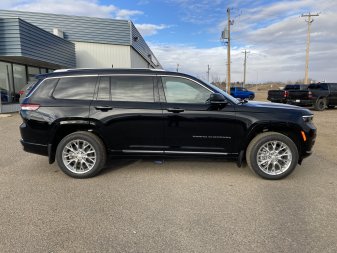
174, 206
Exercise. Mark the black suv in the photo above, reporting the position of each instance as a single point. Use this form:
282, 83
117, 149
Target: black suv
80, 117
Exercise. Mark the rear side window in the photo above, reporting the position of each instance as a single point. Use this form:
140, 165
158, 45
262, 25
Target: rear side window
318, 86
45, 89
126, 88
80, 88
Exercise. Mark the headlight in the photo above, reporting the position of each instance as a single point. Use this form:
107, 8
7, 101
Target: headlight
308, 118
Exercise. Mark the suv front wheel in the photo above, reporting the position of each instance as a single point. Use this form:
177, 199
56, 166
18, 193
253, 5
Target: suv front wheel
81, 155
272, 155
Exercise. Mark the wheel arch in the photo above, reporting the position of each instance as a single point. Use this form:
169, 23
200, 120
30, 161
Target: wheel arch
64, 128
288, 129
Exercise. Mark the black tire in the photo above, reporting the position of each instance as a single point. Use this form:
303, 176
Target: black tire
320, 104
263, 139
251, 97
96, 159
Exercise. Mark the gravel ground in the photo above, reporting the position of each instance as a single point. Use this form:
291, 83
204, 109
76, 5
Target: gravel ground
177, 206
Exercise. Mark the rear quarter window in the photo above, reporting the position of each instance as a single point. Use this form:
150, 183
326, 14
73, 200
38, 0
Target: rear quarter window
79, 88
45, 88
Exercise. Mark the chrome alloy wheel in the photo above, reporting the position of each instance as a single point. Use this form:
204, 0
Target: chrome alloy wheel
274, 157
79, 156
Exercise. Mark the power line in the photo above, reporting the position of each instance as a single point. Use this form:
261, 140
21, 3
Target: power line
309, 21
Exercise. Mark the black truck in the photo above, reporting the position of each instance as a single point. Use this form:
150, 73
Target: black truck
281, 96
318, 95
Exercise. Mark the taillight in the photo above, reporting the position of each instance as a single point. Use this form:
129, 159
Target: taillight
286, 93
30, 107
21, 92
309, 94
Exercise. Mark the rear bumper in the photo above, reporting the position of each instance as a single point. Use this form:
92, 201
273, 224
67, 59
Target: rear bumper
35, 148
302, 102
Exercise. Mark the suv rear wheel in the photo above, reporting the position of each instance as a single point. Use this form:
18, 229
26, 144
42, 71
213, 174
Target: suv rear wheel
272, 155
81, 155
320, 104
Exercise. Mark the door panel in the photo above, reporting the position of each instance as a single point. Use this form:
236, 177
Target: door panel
124, 122
198, 127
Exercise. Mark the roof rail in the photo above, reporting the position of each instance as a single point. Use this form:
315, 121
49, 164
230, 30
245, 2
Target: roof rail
65, 70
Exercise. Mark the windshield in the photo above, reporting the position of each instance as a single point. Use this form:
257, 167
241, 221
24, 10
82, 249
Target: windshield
227, 96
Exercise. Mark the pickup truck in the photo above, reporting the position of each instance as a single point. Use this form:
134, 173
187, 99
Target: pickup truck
242, 93
281, 96
318, 95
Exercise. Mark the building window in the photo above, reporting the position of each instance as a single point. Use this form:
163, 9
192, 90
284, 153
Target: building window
43, 71
20, 80
32, 72
5, 82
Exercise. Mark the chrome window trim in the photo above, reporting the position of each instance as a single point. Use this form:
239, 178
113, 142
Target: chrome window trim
187, 78
150, 75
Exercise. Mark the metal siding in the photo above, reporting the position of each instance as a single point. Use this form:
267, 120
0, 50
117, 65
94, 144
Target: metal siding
75, 28
137, 61
10, 37
21, 39
38, 44
94, 55
141, 47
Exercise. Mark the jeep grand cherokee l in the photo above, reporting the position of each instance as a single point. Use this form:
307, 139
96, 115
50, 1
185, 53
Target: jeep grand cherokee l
79, 117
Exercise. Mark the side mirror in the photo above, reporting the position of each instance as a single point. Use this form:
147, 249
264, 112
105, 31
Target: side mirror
217, 98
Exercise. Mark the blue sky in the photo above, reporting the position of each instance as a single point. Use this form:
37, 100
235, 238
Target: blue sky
187, 32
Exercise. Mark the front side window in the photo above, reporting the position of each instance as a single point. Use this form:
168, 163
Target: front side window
80, 88
180, 90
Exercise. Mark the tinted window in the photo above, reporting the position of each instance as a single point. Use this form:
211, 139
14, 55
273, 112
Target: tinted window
133, 89
318, 86
179, 90
81, 88
44, 90
104, 88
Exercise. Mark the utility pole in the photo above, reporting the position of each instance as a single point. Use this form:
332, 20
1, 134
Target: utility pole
177, 67
228, 88
208, 69
245, 67
309, 21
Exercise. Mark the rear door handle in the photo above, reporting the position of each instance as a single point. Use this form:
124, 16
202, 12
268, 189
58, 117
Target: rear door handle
103, 108
175, 110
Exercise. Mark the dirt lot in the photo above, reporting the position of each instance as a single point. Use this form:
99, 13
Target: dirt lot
178, 206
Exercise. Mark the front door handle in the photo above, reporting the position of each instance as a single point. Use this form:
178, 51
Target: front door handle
175, 110
103, 108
